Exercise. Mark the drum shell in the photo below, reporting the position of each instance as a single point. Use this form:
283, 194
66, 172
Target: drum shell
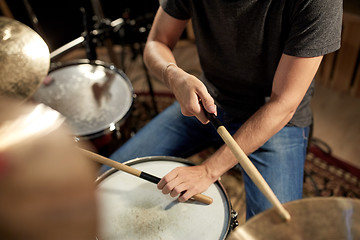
146, 194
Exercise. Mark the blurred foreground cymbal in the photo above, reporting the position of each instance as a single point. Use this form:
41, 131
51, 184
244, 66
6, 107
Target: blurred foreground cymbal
24, 59
315, 218
47, 186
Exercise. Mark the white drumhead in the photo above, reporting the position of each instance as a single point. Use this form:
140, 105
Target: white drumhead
133, 208
92, 96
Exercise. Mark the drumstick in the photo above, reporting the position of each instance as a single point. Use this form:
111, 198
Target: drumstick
151, 178
247, 165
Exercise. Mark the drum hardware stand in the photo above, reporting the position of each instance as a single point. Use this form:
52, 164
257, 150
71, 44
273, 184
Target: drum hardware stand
132, 34
80, 41
104, 23
90, 46
102, 29
5, 9
152, 94
234, 223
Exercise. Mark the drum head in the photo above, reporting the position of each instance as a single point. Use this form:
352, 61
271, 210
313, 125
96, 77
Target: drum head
92, 96
132, 208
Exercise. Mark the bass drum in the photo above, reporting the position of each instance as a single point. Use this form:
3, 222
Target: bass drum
95, 97
132, 208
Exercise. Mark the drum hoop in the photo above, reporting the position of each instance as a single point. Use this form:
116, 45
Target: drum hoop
230, 220
117, 122
108, 130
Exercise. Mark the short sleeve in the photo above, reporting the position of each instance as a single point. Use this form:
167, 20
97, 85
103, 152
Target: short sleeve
314, 28
176, 8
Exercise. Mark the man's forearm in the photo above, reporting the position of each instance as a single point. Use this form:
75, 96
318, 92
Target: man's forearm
156, 56
266, 122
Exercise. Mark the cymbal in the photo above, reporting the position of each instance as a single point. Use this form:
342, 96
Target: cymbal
46, 184
24, 59
314, 218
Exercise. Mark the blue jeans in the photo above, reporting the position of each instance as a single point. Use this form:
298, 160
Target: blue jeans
280, 160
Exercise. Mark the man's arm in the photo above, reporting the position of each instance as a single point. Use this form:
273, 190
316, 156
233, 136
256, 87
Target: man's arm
188, 89
163, 36
291, 81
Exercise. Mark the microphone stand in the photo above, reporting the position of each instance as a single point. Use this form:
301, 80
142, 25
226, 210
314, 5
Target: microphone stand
90, 45
104, 24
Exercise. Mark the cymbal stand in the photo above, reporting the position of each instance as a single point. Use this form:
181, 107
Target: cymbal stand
90, 46
104, 31
34, 21
133, 34
104, 24
80, 41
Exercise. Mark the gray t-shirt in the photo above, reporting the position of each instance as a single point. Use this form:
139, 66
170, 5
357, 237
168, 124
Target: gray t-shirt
240, 43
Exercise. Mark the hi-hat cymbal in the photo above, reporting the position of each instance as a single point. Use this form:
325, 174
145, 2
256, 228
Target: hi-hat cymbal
311, 218
24, 59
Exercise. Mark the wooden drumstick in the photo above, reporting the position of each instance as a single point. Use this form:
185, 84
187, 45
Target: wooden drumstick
151, 178
247, 165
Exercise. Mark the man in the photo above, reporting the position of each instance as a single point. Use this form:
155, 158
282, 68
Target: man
259, 59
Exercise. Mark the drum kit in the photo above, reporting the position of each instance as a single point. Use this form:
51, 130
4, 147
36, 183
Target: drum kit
50, 189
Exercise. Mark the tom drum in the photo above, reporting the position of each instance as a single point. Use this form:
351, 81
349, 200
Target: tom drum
95, 97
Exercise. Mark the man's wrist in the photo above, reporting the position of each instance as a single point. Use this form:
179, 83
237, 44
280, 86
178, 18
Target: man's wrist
164, 77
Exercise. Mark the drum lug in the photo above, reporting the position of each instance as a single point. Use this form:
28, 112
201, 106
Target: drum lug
117, 133
234, 223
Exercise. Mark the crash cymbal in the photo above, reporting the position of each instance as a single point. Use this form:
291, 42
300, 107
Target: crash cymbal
47, 186
24, 59
315, 218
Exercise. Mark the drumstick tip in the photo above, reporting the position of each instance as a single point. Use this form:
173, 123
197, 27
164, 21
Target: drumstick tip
202, 198
285, 215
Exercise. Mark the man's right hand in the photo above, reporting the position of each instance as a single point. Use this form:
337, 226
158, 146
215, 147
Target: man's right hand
188, 91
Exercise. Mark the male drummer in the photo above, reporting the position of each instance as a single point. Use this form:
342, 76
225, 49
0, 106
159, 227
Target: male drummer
259, 60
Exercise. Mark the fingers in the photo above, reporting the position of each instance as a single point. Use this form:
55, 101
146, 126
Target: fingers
184, 182
208, 102
189, 90
171, 184
47, 80
194, 108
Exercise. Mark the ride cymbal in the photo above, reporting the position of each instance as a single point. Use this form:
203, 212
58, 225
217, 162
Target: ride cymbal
314, 218
24, 59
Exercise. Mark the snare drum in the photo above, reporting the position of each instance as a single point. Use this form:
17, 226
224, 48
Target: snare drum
132, 208
95, 97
